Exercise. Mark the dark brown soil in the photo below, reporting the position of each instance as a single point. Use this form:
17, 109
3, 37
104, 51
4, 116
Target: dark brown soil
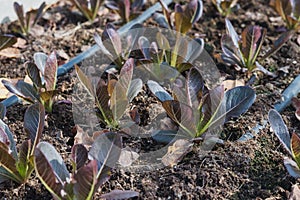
233, 170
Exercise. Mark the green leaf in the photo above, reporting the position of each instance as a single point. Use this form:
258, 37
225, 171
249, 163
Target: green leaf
7, 41
24, 165
34, 120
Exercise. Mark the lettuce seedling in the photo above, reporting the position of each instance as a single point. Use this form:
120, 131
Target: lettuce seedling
292, 145
289, 10
242, 52
113, 96
7, 41
89, 8
28, 20
18, 166
127, 9
90, 170
198, 108
182, 21
225, 6
43, 74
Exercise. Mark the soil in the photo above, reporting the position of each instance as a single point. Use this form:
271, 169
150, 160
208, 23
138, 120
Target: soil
234, 170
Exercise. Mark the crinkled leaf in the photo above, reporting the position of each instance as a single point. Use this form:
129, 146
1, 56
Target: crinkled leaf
119, 100
86, 180
295, 146
280, 129
2, 111
159, 91
7, 41
50, 73
292, 167
34, 120
79, 155
47, 168
51, 157
119, 194
40, 59
34, 74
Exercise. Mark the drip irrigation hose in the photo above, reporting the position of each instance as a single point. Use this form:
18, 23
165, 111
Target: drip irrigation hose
63, 69
291, 91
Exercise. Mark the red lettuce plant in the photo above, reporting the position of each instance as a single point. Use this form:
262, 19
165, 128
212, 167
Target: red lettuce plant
18, 166
88, 8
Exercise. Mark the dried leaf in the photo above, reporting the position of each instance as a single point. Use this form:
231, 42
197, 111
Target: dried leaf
11, 52
176, 152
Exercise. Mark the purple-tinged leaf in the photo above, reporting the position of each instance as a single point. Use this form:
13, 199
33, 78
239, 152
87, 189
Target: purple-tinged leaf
79, 155
124, 10
99, 42
34, 120
86, 82
135, 87
119, 194
40, 59
280, 129
252, 40
106, 149
195, 87
232, 33
2, 111
160, 19
8, 164
292, 167
112, 41
48, 154
135, 116
45, 170
283, 38
230, 52
119, 100
7, 41
39, 13
3, 137
85, 181
295, 146
144, 45
29, 93
23, 164
194, 10
20, 13
50, 74
194, 49
12, 144
137, 5
159, 91
182, 114
238, 100
295, 103
34, 74
103, 98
